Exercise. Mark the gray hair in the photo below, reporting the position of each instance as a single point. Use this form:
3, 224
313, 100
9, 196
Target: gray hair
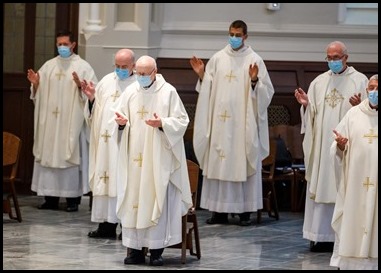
343, 47
146, 60
374, 78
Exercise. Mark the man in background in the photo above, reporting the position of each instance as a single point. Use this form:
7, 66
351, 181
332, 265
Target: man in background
60, 147
103, 145
330, 96
231, 136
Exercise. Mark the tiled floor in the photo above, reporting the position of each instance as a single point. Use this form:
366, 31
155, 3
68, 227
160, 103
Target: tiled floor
49, 240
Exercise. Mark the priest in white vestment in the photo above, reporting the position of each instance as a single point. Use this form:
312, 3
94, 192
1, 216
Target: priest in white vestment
60, 144
103, 144
355, 155
153, 191
330, 96
231, 135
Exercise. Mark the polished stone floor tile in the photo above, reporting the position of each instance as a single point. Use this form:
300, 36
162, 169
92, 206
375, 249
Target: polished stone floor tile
57, 240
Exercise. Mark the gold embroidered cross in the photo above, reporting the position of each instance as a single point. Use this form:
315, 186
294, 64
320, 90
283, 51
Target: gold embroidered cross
139, 159
59, 75
367, 183
225, 115
370, 136
105, 177
106, 135
222, 155
142, 112
230, 76
56, 112
333, 98
115, 95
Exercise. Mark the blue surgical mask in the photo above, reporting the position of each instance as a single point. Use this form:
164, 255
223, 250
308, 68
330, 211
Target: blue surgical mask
122, 73
373, 97
235, 42
336, 66
144, 81
64, 51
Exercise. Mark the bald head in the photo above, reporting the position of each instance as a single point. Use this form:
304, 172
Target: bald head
125, 57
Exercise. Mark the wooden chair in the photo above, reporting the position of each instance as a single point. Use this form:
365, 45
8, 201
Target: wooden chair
293, 140
270, 203
11, 154
189, 221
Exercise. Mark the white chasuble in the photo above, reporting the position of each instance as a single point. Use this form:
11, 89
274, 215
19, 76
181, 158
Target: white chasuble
59, 127
103, 143
328, 97
151, 164
104, 147
229, 117
355, 217
231, 130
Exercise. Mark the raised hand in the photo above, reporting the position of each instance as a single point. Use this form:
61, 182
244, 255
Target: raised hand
198, 66
301, 96
355, 99
253, 72
341, 140
120, 119
88, 89
156, 122
33, 77
76, 79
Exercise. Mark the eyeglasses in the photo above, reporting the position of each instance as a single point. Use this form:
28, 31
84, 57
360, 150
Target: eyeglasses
235, 34
333, 58
144, 74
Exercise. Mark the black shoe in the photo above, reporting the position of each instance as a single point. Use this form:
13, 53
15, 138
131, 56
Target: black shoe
135, 257
72, 208
321, 246
244, 219
217, 218
48, 206
104, 230
245, 223
98, 233
156, 259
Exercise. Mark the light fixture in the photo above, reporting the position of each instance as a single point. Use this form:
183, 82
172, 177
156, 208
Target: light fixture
273, 6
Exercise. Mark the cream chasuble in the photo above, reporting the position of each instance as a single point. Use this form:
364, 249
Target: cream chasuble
152, 163
58, 125
355, 218
328, 97
230, 117
231, 130
104, 146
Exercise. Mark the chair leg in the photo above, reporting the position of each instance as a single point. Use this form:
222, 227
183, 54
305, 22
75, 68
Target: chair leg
302, 195
184, 239
7, 206
15, 203
259, 216
197, 239
275, 203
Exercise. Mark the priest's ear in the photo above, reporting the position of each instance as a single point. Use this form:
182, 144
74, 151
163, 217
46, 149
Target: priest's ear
73, 45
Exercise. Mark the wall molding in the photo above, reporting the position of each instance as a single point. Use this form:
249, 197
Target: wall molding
279, 30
